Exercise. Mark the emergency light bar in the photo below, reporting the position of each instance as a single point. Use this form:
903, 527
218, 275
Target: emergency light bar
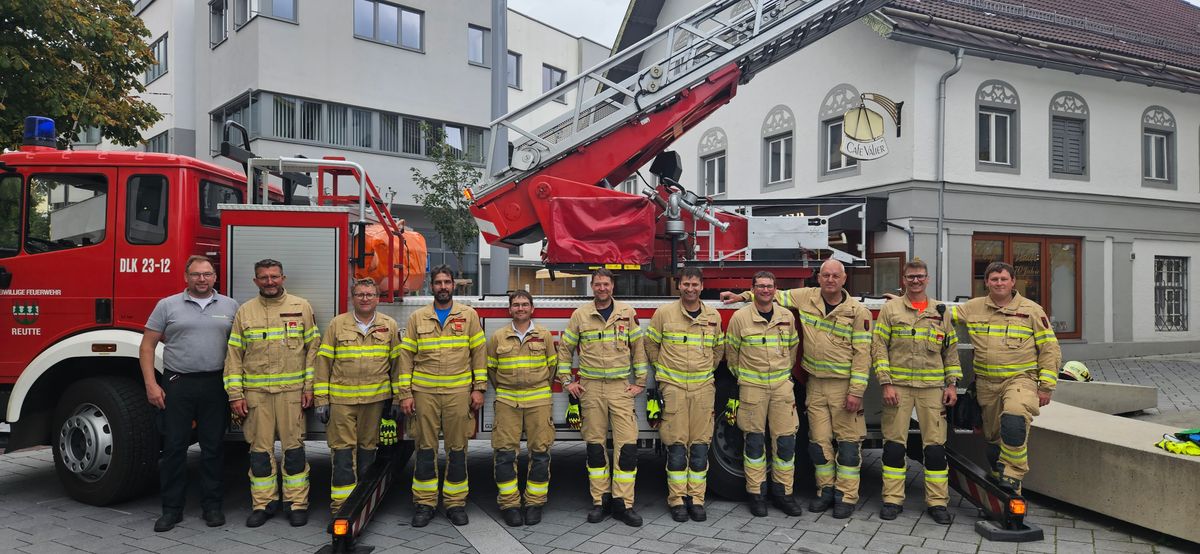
39, 131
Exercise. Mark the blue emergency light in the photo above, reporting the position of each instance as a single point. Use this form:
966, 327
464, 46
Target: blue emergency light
39, 131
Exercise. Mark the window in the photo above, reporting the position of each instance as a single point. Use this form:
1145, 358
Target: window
218, 29
389, 132
243, 110
159, 49
1068, 136
146, 209
885, 273
10, 215
388, 23
994, 133
453, 136
477, 45
835, 160
245, 10
997, 128
514, 69
1048, 271
1158, 148
283, 121
310, 121
65, 211
777, 131
360, 128
552, 77
476, 141
336, 123
714, 174
159, 143
1170, 293
213, 194
629, 185
779, 159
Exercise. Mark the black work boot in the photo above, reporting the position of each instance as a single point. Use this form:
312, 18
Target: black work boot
257, 518
784, 501
533, 515
822, 502
758, 505
422, 515
625, 515
940, 515
1009, 484
512, 517
167, 522
890, 511
842, 510
599, 511
457, 515
298, 518
679, 513
697, 513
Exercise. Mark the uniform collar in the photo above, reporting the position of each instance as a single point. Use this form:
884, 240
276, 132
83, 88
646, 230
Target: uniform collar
455, 309
590, 308
930, 302
684, 311
273, 301
1008, 308
818, 301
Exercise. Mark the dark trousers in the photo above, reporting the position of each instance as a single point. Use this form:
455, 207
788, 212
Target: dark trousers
199, 398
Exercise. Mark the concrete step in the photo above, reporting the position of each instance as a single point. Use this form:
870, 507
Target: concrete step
1109, 398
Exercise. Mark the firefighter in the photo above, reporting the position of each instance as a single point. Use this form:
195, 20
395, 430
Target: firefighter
837, 357
443, 375
521, 363
269, 378
1016, 369
684, 346
915, 357
194, 329
355, 379
761, 345
609, 340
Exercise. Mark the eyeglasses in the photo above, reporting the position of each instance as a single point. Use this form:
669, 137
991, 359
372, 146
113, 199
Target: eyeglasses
915, 277
365, 295
205, 275
764, 287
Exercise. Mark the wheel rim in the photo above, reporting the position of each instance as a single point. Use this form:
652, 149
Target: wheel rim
85, 443
727, 448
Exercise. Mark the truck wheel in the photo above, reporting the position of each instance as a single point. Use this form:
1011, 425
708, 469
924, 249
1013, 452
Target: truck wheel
725, 475
105, 443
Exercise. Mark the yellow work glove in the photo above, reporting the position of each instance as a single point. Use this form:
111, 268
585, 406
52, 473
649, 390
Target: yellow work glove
574, 420
731, 409
654, 407
388, 434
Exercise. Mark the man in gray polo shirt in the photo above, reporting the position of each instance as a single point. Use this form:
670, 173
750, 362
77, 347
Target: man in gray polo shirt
194, 327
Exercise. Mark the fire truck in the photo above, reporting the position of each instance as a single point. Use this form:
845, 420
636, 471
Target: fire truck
89, 241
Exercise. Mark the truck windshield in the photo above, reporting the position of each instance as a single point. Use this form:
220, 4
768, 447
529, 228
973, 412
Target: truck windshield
10, 215
65, 211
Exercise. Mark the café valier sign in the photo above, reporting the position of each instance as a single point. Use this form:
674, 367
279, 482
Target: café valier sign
862, 128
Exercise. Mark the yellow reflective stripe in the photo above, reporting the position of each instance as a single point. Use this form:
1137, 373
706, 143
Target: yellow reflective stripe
325, 350
696, 339
435, 343
536, 489
235, 340
430, 380
754, 462
262, 483
621, 476
321, 389
895, 472
570, 338
477, 340
479, 374
954, 371
265, 380
608, 335
507, 487
408, 344
847, 472
829, 326
753, 375
311, 333
653, 334
340, 492
915, 374
598, 473
697, 477
824, 366
232, 380
454, 488
353, 391
519, 362
1002, 370
880, 365
937, 475
824, 470
861, 337
984, 329
1043, 337
780, 463
602, 372
425, 486
664, 373
677, 476
348, 352
403, 380
268, 333
523, 395
1013, 454
297, 480
784, 339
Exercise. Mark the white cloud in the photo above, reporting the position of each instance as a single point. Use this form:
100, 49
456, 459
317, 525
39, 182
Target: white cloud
598, 20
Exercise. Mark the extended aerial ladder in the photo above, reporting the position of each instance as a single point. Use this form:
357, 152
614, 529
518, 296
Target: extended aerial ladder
624, 113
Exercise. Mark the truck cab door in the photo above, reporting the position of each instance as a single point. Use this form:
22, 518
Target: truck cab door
151, 245
56, 245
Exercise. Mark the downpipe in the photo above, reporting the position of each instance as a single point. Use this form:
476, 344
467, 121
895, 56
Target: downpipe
940, 274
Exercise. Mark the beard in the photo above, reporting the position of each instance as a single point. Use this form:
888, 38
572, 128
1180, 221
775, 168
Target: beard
442, 296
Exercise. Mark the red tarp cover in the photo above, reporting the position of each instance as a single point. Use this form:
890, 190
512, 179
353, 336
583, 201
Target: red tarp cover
601, 230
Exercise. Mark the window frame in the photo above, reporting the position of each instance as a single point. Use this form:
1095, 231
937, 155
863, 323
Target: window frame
28, 210
548, 71
998, 98
993, 115
1044, 282
721, 170
1158, 121
513, 76
161, 63
787, 152
215, 221
485, 45
1070, 106
152, 143
165, 205
221, 16
400, 40
1162, 321
253, 10
849, 165
18, 221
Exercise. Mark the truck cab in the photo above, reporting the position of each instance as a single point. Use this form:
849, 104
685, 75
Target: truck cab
89, 242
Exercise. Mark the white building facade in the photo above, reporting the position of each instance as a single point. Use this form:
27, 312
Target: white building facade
1088, 185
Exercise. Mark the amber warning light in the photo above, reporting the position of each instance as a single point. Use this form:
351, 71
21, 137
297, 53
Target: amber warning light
1016, 507
341, 527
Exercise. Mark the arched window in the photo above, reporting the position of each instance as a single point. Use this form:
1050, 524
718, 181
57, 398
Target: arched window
778, 135
998, 128
831, 163
1069, 136
1158, 148
711, 151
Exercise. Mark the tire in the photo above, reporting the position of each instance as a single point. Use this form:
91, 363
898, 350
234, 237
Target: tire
104, 441
725, 475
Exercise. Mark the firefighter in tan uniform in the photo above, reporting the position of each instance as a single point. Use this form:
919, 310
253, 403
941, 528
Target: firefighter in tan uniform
443, 374
269, 380
761, 344
609, 340
1016, 369
521, 363
356, 369
837, 357
915, 357
684, 344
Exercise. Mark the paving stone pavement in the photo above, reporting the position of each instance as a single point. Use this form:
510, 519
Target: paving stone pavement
37, 517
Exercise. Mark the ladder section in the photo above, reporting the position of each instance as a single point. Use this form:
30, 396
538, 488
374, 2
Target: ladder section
751, 34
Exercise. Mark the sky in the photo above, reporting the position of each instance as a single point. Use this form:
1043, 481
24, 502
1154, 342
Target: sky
598, 20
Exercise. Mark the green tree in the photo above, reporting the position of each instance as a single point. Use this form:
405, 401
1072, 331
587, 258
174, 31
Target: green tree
441, 193
76, 61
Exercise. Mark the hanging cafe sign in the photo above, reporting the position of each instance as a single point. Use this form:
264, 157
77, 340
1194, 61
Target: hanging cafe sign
862, 127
